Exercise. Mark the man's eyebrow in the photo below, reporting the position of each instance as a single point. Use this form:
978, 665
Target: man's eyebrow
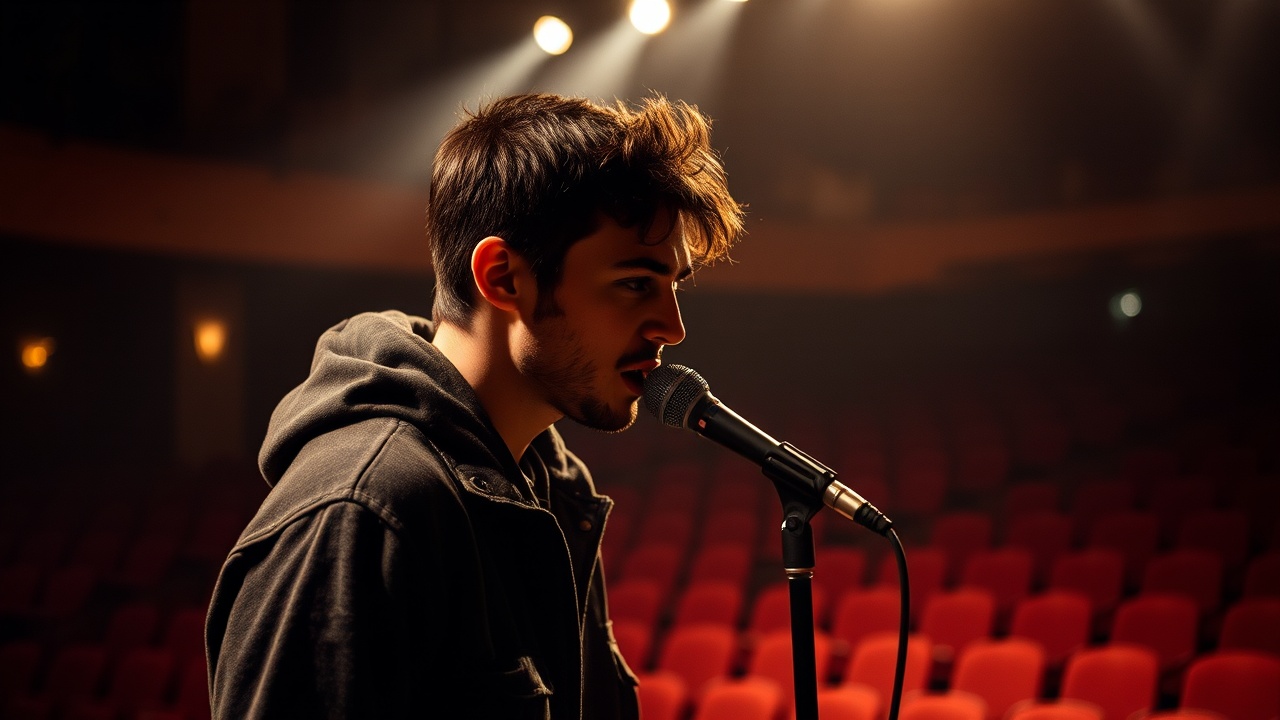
657, 267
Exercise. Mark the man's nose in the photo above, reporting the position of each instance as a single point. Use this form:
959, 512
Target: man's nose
667, 327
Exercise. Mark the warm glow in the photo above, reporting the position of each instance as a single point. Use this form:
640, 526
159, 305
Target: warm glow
211, 338
552, 34
650, 16
35, 354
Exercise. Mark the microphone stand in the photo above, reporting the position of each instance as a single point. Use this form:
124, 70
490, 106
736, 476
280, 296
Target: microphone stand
798, 560
796, 477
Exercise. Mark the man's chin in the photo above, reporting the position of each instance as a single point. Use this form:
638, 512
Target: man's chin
606, 419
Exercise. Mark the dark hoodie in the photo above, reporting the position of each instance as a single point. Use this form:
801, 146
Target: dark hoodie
401, 565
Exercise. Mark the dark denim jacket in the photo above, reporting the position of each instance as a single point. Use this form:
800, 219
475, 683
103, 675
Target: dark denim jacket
400, 566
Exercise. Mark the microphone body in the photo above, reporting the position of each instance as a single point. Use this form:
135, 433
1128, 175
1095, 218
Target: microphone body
679, 397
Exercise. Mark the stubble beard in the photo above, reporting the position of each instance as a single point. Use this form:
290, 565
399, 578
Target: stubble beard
568, 378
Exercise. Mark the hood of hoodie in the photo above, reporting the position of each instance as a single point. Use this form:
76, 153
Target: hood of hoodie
379, 365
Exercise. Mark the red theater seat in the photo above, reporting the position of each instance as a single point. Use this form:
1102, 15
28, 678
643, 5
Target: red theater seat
749, 698
1001, 672
1059, 620
698, 654
1240, 684
1166, 624
1121, 679
1252, 624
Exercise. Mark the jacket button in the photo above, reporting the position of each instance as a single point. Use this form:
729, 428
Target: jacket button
585, 525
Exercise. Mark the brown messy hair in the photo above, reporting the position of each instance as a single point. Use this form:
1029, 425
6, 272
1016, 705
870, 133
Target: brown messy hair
540, 171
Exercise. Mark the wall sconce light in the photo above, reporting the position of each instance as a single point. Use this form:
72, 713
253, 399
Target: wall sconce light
35, 354
211, 340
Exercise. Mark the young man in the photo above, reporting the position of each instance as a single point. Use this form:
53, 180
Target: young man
429, 547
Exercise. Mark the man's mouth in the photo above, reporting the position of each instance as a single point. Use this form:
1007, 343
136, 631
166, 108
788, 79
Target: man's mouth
634, 380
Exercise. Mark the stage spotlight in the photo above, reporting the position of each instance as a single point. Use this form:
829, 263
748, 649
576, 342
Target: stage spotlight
210, 338
552, 34
650, 16
1126, 305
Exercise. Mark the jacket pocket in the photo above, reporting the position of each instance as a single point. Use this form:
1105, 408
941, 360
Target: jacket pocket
516, 690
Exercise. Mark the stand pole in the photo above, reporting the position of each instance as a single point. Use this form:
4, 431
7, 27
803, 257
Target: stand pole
798, 561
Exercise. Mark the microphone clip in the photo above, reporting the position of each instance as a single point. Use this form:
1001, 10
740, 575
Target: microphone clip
788, 464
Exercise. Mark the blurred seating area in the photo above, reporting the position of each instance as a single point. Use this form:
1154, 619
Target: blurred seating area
1072, 548
1091, 525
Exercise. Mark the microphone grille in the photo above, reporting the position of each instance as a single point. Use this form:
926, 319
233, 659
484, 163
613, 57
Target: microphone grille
669, 392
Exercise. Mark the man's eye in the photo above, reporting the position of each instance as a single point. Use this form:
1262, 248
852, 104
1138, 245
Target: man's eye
638, 285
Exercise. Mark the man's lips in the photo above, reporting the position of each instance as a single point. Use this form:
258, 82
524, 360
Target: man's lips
633, 374
644, 367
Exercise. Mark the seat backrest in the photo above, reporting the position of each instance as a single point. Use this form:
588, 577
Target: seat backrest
953, 620
1119, 678
1195, 573
771, 608
874, 660
1167, 624
927, 569
840, 569
954, 705
1096, 572
961, 534
698, 653
860, 613
661, 563
1006, 572
847, 702
1241, 684
731, 525
1262, 576
635, 640
1001, 672
1252, 624
1056, 710
711, 601
1134, 534
1059, 620
662, 696
1047, 534
1032, 496
745, 699
1225, 532
772, 658
637, 599
723, 562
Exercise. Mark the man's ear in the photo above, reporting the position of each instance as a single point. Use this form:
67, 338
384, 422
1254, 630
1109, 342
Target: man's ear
501, 274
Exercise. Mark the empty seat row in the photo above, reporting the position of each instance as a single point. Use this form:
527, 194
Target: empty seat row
1061, 621
993, 680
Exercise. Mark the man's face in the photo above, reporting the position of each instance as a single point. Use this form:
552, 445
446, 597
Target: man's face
613, 312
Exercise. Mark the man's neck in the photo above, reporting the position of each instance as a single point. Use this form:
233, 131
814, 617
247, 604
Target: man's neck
483, 358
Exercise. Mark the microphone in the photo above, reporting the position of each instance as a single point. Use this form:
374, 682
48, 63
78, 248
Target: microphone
679, 397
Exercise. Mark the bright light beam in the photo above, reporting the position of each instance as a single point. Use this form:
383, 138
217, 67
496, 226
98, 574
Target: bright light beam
602, 69
691, 56
416, 124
